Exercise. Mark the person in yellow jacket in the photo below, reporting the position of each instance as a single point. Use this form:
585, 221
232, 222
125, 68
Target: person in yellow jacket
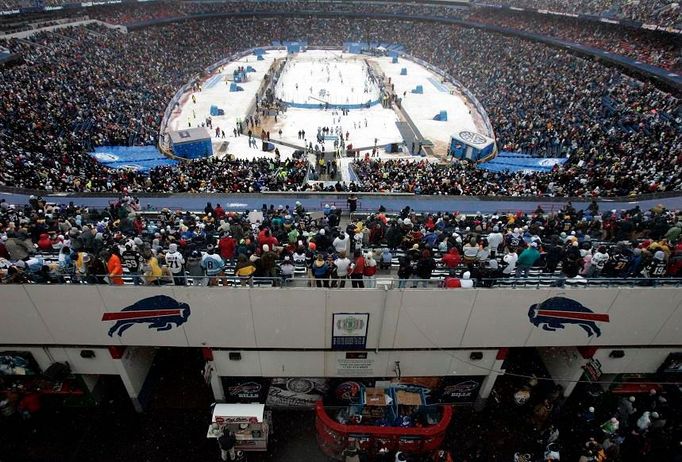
152, 270
245, 269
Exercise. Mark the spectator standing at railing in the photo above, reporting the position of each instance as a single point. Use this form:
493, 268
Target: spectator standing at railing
321, 271
527, 259
510, 260
369, 274
227, 246
424, 268
404, 271
176, 264
598, 262
657, 267
357, 269
287, 269
114, 267
495, 239
213, 265
132, 260
342, 264
245, 269
269, 263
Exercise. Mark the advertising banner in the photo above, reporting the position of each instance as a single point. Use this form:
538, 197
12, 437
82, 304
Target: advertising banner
245, 389
296, 392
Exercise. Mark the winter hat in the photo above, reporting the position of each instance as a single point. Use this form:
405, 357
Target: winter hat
215, 430
173, 248
659, 255
466, 275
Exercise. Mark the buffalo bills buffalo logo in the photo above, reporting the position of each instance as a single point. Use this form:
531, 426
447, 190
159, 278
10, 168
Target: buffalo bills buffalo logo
159, 312
555, 312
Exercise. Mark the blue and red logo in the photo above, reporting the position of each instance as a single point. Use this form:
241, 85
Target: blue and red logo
555, 312
159, 312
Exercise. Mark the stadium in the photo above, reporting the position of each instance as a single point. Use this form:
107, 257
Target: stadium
421, 230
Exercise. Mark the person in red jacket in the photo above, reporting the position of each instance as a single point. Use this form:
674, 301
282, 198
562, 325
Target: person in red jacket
357, 270
452, 259
138, 225
219, 212
266, 238
44, 242
452, 282
227, 246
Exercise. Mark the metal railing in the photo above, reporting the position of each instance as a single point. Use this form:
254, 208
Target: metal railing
379, 281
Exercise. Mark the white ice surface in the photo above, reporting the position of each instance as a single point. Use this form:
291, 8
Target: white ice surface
326, 77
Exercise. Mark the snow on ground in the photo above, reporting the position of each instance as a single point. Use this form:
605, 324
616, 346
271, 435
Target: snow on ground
364, 126
320, 77
216, 91
423, 107
239, 148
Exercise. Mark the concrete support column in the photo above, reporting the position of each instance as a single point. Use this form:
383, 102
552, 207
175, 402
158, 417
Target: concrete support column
133, 364
212, 374
215, 382
489, 380
566, 365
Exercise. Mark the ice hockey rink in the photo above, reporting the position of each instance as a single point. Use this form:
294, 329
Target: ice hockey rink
311, 79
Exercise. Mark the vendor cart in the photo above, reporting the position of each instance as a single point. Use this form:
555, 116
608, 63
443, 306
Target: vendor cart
250, 423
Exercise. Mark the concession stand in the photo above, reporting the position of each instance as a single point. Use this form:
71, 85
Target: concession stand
396, 418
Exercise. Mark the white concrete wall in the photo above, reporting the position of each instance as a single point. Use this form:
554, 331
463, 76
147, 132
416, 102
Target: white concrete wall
635, 361
134, 367
565, 366
334, 363
301, 318
102, 363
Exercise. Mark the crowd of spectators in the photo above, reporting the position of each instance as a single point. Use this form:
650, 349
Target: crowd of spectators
656, 48
91, 86
46, 243
660, 12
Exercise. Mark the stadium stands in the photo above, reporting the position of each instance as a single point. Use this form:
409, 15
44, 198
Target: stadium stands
619, 133
45, 243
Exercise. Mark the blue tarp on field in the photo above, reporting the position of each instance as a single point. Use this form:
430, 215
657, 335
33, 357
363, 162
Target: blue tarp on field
140, 158
515, 162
